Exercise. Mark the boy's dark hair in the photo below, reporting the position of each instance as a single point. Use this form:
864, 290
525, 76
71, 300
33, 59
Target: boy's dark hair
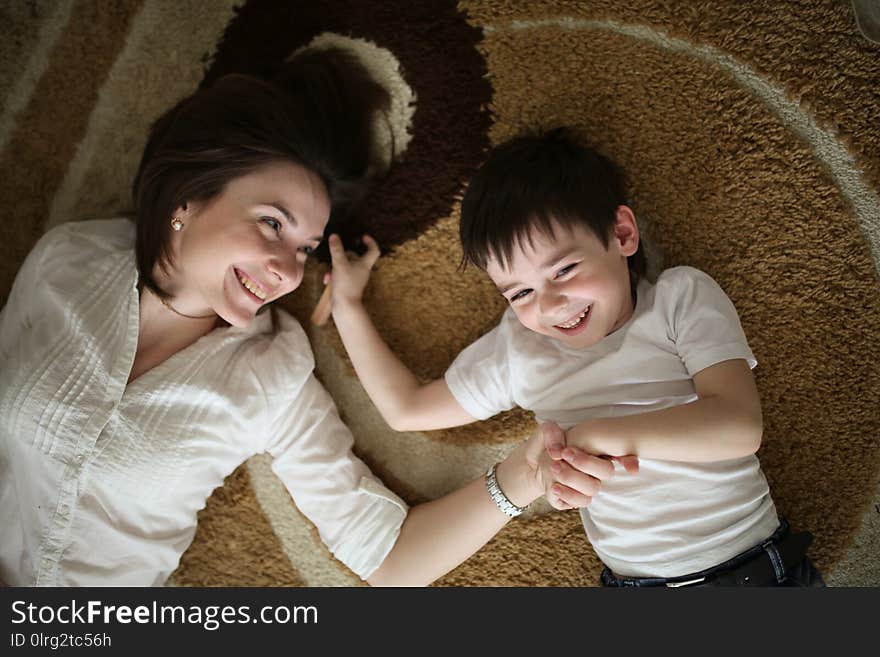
318, 112
534, 180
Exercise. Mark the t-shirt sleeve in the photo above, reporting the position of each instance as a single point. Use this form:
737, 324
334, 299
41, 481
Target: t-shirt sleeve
479, 378
703, 321
357, 517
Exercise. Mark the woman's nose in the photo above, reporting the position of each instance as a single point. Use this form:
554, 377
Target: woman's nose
288, 270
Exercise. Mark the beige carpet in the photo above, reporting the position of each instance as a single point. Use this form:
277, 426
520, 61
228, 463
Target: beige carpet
751, 135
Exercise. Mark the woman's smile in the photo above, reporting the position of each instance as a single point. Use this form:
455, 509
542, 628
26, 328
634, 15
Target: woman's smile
252, 288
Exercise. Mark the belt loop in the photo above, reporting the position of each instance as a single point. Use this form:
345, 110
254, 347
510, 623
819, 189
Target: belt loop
775, 559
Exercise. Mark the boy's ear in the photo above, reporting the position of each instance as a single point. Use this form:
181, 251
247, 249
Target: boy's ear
626, 231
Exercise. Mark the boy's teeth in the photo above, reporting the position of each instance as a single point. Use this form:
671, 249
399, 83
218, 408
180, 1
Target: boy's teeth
577, 321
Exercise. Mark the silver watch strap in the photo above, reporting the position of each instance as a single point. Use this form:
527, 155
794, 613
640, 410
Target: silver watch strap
498, 496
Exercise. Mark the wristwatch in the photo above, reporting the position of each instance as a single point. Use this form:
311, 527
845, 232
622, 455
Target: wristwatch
498, 496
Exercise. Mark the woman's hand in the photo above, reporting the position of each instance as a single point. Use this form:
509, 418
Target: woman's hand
350, 273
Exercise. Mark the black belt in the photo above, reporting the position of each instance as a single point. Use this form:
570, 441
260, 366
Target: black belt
765, 564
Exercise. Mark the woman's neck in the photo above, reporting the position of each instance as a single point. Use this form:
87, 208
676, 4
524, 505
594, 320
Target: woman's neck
162, 333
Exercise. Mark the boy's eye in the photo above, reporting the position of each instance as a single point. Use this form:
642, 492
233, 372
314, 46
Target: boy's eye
522, 294
565, 270
273, 223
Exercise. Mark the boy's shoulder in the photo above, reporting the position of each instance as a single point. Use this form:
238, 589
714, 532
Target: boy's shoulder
680, 275
686, 282
688, 291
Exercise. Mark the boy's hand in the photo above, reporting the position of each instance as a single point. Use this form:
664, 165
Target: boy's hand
573, 455
567, 483
350, 273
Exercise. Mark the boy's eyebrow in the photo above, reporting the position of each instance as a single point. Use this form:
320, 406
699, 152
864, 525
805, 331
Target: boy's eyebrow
290, 218
507, 288
556, 257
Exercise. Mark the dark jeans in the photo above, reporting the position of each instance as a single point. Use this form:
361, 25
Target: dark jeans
780, 560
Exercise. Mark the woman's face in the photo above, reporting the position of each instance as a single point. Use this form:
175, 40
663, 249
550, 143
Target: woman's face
248, 246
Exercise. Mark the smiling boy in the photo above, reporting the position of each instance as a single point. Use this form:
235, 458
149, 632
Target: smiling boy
661, 371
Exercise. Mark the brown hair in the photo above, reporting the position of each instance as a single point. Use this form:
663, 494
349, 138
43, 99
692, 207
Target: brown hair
318, 112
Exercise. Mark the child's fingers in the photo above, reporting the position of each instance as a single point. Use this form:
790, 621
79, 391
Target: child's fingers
587, 463
630, 463
584, 484
337, 254
373, 252
569, 498
554, 438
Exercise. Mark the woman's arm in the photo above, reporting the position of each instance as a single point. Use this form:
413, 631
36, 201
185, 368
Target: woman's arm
437, 536
405, 403
725, 422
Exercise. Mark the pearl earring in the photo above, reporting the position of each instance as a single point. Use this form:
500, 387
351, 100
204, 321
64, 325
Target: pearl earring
176, 224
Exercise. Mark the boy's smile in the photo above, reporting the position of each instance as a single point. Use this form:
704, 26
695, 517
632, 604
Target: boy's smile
568, 286
576, 324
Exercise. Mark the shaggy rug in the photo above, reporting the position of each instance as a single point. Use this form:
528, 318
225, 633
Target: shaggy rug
750, 132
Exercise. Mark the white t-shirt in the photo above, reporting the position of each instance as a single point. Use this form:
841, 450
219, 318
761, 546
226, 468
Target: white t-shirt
101, 480
672, 518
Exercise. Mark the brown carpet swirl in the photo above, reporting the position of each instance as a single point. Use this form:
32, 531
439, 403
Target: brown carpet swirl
750, 132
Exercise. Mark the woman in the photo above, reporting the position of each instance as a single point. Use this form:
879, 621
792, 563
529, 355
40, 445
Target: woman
138, 370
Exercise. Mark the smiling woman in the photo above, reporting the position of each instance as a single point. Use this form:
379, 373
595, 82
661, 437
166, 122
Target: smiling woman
137, 371
248, 245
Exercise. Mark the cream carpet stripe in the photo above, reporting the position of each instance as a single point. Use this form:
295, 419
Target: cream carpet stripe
861, 564
299, 540
37, 63
139, 88
394, 131
839, 162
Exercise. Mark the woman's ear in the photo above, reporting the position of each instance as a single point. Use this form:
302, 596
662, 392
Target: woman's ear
183, 210
626, 231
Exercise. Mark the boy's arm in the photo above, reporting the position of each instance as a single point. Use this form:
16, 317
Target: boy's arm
724, 423
405, 403
438, 535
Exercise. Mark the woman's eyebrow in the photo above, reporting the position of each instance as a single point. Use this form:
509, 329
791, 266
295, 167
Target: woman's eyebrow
291, 218
284, 211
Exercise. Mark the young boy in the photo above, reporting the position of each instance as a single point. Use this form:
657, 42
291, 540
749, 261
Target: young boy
659, 371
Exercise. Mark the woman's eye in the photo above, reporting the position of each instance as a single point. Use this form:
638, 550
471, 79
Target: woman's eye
522, 294
273, 223
565, 270
308, 250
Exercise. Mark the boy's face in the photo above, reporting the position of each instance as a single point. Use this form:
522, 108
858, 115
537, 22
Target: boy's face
570, 287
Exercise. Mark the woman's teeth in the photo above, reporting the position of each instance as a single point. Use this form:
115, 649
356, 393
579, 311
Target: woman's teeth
252, 286
576, 321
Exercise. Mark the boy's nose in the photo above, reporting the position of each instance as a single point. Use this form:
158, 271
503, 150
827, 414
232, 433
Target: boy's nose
551, 303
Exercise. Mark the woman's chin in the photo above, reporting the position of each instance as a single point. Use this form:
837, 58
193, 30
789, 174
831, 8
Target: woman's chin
238, 319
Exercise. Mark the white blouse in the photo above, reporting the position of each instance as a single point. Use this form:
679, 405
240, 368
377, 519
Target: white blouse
101, 480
